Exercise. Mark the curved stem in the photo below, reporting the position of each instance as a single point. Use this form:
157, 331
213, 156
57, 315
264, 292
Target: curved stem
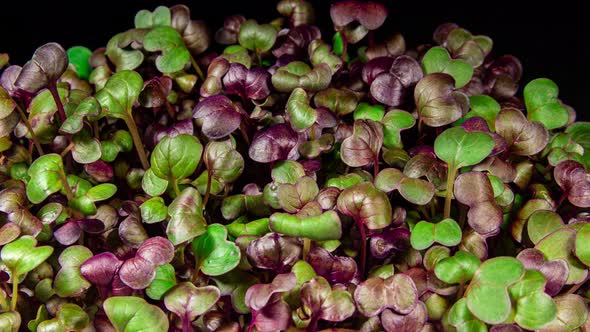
313, 323
4, 306
363, 235
451, 174
137, 142
207, 191
67, 150
376, 164
175, 187
14, 299
186, 324
69, 193
306, 247
344, 47
197, 68
30, 129
60, 107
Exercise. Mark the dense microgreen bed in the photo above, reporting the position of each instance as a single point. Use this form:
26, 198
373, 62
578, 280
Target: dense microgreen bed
271, 176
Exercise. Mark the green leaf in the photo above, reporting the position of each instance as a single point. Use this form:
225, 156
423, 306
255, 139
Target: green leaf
502, 271
177, 157
438, 60
146, 19
540, 97
47, 176
134, 314
532, 281
257, 37
89, 107
318, 228
102, 191
86, 148
79, 56
561, 245
152, 184
301, 115
51, 325
22, 256
10, 321
213, 253
365, 111
484, 107
223, 161
153, 210
119, 52
287, 171
459, 148
120, 93
235, 284
165, 279
174, 54
73, 317
535, 311
394, 122
69, 281
582, 247
447, 232
489, 302
186, 217
188, 302
457, 269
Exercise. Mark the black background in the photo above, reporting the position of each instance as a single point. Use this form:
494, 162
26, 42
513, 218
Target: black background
550, 40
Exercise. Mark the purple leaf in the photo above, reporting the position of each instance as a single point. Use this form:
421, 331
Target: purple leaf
157, 250
391, 87
273, 252
269, 311
100, 269
414, 321
572, 178
371, 15
100, 171
336, 269
137, 272
389, 242
219, 115
277, 142
397, 292
68, 233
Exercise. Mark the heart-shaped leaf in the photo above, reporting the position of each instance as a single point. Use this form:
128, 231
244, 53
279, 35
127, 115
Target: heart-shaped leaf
257, 37
336, 269
485, 107
219, 114
458, 268
129, 313
475, 190
47, 177
146, 19
339, 101
22, 256
438, 60
213, 253
397, 292
89, 107
560, 245
326, 303
446, 232
48, 63
391, 86
414, 321
153, 210
540, 97
174, 54
571, 177
371, 15
120, 93
165, 279
186, 217
437, 102
363, 146
318, 228
188, 302
535, 311
571, 313
459, 148
298, 74
273, 252
301, 115
13, 202
394, 122
524, 138
416, 191
367, 204
277, 142
101, 269
269, 311
69, 281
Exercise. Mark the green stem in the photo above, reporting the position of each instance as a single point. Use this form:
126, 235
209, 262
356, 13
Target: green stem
14, 300
451, 174
67, 150
4, 306
175, 187
197, 68
137, 142
69, 193
30, 129
208, 190
306, 247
